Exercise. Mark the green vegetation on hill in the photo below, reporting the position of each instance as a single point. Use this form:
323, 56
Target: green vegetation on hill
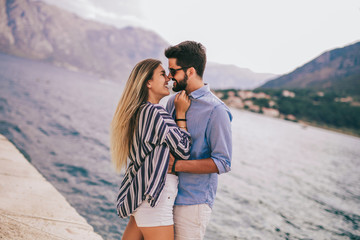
324, 92
325, 110
337, 110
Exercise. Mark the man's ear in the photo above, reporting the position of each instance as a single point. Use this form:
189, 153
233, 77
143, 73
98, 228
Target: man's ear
192, 71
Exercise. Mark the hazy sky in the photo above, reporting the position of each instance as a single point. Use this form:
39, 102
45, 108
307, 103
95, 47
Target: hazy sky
274, 36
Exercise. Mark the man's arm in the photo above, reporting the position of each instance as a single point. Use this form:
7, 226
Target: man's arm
200, 166
220, 141
219, 138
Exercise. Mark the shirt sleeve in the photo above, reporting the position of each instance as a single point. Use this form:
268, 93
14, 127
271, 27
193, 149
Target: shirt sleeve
176, 138
219, 137
179, 142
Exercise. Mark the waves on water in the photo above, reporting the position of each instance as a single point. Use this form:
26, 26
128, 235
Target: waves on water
286, 182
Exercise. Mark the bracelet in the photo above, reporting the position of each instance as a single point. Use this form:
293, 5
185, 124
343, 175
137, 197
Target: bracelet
173, 166
180, 119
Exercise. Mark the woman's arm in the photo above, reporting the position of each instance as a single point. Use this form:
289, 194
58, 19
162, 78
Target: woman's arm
182, 103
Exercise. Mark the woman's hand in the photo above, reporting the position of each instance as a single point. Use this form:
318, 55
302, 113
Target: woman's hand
182, 104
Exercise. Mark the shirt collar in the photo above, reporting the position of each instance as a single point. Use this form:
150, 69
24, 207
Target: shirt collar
200, 92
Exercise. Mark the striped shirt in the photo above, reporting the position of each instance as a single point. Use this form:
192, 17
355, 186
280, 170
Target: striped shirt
155, 137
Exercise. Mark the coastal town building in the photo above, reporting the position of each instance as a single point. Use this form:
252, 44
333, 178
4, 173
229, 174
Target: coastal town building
287, 93
272, 103
320, 94
290, 117
261, 95
249, 94
254, 108
247, 100
236, 102
248, 103
344, 99
271, 112
245, 94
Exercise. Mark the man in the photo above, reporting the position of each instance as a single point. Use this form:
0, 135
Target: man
209, 123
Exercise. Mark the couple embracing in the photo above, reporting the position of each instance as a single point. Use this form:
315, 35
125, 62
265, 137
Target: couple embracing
172, 156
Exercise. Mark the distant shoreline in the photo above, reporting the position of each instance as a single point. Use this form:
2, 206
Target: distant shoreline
307, 123
323, 109
338, 130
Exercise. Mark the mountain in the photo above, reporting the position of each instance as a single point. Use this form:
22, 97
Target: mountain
338, 68
222, 76
42, 32
39, 31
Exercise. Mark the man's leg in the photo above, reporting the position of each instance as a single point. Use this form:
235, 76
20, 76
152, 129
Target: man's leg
190, 221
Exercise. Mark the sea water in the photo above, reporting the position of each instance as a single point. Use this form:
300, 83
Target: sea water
287, 181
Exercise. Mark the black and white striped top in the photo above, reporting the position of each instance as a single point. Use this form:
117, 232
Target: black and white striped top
155, 137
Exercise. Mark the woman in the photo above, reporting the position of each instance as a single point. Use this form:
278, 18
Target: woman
143, 132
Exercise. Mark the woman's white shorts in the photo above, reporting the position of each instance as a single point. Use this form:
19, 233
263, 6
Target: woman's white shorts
162, 213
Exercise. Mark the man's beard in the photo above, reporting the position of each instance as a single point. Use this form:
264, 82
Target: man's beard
180, 85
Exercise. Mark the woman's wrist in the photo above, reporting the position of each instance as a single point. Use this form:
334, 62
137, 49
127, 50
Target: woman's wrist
180, 119
180, 115
177, 120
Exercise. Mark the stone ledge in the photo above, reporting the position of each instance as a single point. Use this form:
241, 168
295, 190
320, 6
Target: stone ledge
30, 207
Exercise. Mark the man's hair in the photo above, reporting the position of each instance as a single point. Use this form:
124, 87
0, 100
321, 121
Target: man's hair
189, 54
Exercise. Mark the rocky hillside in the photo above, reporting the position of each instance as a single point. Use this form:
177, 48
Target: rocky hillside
36, 30
39, 31
338, 68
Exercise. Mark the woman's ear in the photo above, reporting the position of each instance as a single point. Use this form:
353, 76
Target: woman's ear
148, 84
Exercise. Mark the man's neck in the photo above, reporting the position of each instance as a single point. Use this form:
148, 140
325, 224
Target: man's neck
195, 85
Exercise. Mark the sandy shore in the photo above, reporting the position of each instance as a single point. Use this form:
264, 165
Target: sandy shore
30, 207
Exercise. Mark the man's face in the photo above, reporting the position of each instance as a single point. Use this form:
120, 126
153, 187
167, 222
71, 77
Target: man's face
178, 75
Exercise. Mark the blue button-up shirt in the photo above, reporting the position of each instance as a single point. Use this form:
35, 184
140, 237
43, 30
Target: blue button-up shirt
209, 123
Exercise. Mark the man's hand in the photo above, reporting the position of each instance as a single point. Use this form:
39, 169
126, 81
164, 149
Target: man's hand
171, 162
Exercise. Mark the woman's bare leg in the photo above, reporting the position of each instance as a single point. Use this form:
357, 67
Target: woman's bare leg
158, 233
132, 231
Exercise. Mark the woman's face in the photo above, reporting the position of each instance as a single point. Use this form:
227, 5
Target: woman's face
158, 84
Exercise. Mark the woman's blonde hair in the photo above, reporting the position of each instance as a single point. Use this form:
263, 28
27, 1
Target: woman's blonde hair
125, 118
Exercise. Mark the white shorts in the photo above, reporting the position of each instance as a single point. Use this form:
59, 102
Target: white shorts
162, 213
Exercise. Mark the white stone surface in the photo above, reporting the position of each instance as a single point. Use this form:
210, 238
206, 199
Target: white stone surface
30, 207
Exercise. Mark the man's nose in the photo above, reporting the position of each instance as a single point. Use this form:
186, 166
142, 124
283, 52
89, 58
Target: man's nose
167, 78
